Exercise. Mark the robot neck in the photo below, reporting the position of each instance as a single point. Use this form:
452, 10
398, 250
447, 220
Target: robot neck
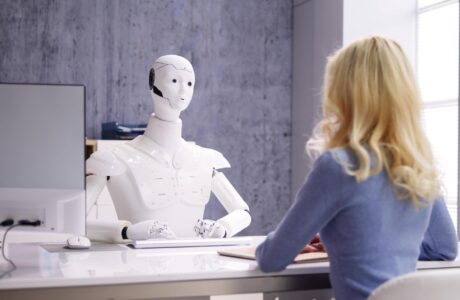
167, 134
163, 109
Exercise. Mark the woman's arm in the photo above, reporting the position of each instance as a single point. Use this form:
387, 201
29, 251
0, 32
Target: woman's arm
440, 241
315, 205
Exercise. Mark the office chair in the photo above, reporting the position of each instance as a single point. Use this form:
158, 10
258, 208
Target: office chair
441, 284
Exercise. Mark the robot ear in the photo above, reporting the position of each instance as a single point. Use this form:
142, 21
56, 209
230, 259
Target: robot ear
152, 83
151, 78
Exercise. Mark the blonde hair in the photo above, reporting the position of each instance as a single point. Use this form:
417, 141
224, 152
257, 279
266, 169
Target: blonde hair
372, 106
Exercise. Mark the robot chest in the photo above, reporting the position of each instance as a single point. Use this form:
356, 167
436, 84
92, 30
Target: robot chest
162, 185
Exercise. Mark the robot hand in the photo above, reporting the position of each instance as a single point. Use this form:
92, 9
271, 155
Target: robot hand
209, 229
151, 229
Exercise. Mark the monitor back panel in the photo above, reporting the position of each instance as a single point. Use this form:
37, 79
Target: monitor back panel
42, 131
42, 162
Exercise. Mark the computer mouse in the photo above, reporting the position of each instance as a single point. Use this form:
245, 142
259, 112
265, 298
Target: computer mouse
78, 242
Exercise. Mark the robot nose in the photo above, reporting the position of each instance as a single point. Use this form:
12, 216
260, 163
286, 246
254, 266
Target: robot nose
182, 98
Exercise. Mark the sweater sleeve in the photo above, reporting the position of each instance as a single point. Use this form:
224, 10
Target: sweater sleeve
440, 240
315, 205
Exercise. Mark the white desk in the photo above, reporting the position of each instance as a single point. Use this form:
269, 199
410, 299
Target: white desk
124, 273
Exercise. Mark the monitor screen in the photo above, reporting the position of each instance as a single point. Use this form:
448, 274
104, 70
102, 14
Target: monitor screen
42, 136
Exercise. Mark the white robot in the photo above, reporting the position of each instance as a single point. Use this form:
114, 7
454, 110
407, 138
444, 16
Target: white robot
159, 182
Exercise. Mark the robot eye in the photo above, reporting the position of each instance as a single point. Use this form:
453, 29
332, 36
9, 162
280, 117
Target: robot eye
189, 83
174, 80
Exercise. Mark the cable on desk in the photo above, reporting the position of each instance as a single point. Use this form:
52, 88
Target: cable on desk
11, 225
13, 266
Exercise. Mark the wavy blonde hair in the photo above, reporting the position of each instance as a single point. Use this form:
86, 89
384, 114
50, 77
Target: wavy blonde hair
372, 106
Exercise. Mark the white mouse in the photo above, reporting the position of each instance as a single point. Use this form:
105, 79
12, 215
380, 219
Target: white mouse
78, 242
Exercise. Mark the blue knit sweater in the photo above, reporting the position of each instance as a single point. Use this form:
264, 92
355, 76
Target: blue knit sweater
369, 234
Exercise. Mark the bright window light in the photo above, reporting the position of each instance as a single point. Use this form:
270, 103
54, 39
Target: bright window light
438, 53
437, 70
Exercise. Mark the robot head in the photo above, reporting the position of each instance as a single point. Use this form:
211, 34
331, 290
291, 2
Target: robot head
171, 82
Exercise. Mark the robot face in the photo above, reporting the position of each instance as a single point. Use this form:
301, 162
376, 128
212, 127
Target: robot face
175, 84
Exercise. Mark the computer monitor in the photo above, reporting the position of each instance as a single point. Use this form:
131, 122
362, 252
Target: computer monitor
42, 164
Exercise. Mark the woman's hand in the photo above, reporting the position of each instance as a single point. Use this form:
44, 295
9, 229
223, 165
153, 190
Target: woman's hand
314, 245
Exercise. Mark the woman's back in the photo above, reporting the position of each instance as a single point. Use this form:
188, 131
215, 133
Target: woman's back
370, 235
374, 236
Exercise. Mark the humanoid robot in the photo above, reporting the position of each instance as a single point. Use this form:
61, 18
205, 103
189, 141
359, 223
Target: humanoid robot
159, 182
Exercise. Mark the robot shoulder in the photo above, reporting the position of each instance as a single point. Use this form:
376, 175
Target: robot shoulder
214, 157
104, 163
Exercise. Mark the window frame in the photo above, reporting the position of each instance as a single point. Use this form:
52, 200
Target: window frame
444, 102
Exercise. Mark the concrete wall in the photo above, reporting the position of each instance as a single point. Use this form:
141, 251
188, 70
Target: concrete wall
241, 51
317, 31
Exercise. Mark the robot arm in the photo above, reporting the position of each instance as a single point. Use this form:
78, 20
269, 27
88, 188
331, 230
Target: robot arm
119, 231
94, 186
107, 231
102, 164
238, 217
99, 230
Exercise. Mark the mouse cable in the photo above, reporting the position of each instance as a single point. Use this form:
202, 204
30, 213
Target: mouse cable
13, 266
3, 244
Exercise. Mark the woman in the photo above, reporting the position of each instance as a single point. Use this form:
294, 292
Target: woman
373, 192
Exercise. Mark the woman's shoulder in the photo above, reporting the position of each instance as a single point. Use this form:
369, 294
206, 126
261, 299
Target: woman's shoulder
337, 158
328, 173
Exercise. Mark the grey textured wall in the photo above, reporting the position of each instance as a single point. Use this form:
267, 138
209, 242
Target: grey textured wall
241, 52
317, 32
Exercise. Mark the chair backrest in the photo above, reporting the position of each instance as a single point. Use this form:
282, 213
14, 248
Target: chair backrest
440, 284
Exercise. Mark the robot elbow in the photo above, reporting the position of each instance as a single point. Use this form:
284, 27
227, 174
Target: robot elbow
249, 218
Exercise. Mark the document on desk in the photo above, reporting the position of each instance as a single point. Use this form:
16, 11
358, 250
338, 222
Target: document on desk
250, 253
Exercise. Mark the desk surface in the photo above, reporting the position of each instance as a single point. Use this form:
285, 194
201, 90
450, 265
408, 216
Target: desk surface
40, 267
50, 266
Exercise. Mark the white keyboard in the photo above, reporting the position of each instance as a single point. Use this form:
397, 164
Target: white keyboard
197, 242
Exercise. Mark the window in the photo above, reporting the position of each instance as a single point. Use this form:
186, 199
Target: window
437, 70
